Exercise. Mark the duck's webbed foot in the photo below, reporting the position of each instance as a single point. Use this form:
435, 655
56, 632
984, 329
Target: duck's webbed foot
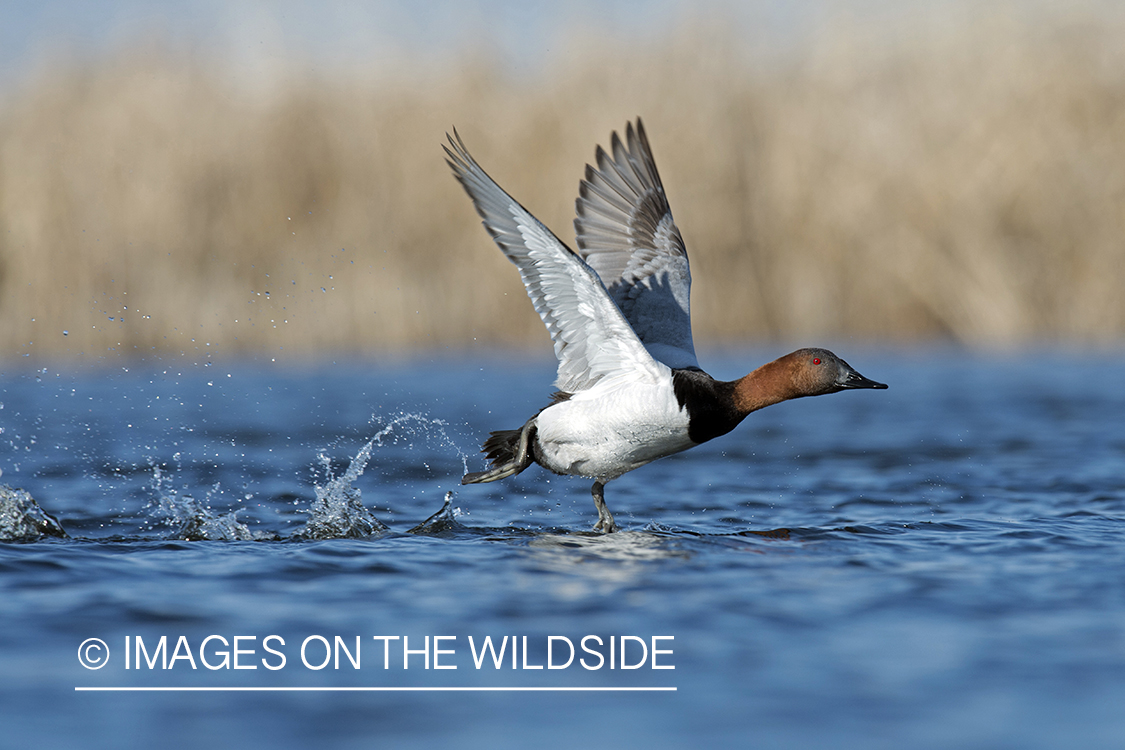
605, 518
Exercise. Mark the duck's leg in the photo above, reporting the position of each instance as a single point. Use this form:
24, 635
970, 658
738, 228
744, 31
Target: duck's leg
519, 451
605, 518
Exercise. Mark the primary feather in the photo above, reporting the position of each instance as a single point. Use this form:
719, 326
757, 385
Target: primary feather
627, 235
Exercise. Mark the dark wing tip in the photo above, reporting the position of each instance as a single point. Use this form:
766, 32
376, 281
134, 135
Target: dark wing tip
454, 141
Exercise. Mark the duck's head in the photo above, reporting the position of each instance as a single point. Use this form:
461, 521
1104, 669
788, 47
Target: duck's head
805, 372
818, 371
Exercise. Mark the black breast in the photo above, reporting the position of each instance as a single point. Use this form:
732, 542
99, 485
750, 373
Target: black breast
709, 403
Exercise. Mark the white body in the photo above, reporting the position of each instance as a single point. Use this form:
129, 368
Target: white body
612, 428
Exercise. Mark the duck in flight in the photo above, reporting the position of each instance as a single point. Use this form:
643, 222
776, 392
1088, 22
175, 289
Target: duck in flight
630, 390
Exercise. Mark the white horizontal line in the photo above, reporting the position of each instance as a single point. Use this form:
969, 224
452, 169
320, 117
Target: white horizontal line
374, 689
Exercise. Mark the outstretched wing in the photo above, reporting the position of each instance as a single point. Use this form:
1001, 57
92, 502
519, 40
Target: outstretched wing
626, 233
591, 337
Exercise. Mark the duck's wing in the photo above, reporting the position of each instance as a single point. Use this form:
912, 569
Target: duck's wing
592, 339
626, 233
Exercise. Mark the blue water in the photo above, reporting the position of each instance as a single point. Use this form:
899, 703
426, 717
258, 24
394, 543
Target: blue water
953, 574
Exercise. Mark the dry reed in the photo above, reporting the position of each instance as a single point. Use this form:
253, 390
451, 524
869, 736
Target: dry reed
961, 183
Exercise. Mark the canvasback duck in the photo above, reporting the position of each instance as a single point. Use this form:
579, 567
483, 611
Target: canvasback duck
630, 390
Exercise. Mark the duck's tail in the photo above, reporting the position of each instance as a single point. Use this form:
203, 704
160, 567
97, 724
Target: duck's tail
509, 451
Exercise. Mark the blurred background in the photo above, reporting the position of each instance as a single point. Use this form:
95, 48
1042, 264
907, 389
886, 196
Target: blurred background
266, 179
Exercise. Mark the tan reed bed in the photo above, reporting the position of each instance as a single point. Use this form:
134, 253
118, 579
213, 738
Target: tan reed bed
964, 181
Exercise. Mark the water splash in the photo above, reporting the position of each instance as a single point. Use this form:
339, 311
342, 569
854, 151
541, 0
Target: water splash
193, 521
22, 520
338, 510
339, 513
444, 520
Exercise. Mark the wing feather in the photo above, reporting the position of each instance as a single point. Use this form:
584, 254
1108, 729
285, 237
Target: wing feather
591, 337
627, 235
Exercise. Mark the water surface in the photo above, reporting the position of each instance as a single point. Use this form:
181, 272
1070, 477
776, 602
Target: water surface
944, 566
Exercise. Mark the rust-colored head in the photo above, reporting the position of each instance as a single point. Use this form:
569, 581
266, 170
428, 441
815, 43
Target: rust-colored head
805, 372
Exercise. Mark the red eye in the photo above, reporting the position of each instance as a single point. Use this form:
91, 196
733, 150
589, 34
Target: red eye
816, 360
